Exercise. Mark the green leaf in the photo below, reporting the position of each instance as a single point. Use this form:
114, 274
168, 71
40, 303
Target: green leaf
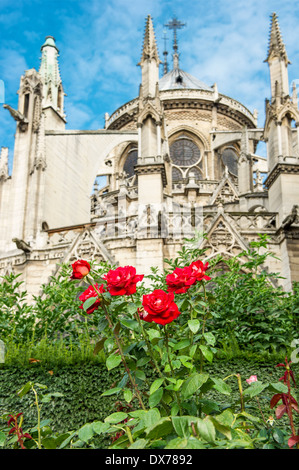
111, 391
131, 324
155, 398
160, 429
210, 338
226, 418
254, 389
279, 387
128, 395
144, 360
278, 436
150, 417
206, 429
132, 308
193, 383
49, 443
152, 333
182, 425
182, 344
2, 438
140, 375
116, 418
139, 444
155, 385
113, 361
86, 432
99, 427
194, 325
184, 443
221, 386
206, 352
25, 389
88, 303
99, 346
225, 430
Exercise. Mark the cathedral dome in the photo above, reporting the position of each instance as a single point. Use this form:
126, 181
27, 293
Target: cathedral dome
178, 79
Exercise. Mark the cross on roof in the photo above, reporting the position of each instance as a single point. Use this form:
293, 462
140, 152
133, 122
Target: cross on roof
175, 24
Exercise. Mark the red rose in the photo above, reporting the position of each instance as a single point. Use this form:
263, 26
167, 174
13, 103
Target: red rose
80, 269
122, 280
91, 292
198, 270
159, 307
180, 280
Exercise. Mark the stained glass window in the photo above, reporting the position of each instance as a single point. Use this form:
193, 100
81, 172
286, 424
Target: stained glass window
230, 159
184, 152
176, 174
130, 162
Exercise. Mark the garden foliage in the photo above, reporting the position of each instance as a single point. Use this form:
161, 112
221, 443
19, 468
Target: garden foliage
174, 325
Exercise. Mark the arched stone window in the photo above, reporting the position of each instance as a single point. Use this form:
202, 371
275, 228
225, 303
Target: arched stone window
185, 155
229, 158
177, 175
130, 162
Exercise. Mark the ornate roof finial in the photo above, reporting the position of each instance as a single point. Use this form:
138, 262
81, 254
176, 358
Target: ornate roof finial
165, 53
150, 50
175, 24
276, 45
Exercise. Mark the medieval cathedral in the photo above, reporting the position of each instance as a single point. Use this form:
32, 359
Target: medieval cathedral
178, 160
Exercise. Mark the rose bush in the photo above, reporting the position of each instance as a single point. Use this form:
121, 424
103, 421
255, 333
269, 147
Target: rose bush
168, 328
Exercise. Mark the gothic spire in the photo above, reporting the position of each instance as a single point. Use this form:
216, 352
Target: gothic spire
150, 50
276, 45
49, 71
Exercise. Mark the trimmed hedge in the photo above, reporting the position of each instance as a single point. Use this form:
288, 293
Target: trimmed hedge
82, 386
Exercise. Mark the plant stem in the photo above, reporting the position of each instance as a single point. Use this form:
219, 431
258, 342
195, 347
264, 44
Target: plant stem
260, 408
241, 392
171, 368
124, 359
119, 345
38, 419
149, 348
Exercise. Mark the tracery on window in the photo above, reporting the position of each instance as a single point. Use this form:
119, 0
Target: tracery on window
184, 152
186, 157
229, 159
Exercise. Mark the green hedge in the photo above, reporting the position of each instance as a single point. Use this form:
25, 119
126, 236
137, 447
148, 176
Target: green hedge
82, 386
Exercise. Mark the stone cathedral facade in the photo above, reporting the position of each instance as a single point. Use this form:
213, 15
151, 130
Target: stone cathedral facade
179, 159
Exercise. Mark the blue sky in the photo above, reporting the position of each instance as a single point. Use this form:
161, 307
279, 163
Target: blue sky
100, 44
